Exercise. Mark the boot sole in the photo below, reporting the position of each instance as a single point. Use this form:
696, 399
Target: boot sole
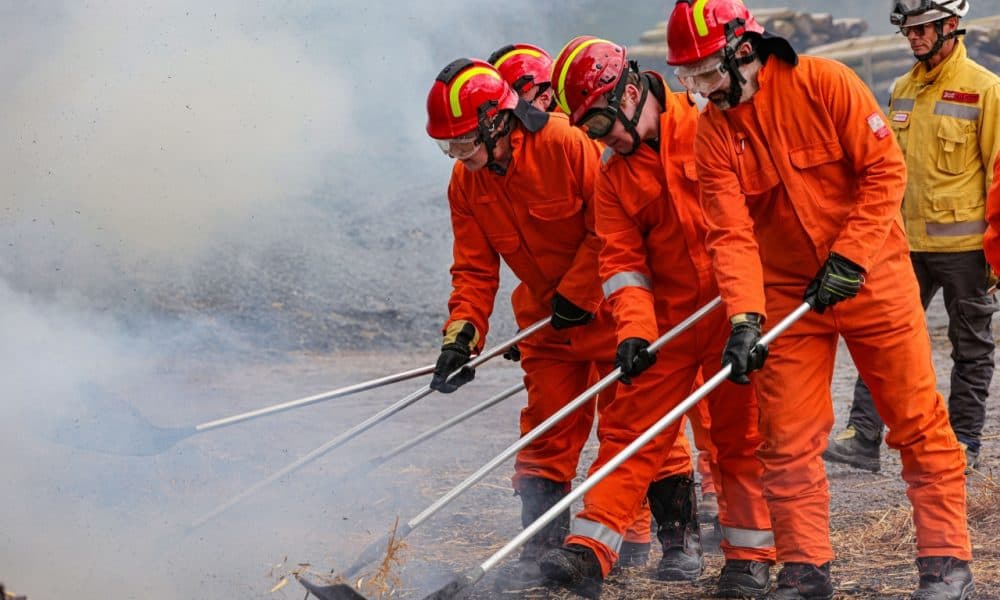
866, 464
741, 591
555, 573
967, 593
675, 574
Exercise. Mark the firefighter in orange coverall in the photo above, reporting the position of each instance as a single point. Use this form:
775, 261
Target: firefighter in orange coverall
801, 182
991, 239
521, 190
656, 271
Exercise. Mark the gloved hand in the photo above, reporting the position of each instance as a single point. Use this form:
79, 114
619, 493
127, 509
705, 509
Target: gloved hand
513, 353
633, 357
742, 350
838, 279
460, 339
565, 314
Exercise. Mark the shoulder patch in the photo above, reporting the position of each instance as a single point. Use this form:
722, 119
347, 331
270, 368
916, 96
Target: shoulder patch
877, 125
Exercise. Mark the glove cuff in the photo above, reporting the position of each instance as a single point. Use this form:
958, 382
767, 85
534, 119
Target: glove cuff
748, 318
461, 333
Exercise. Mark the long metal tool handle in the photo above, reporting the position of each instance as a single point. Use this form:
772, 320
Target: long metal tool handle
559, 415
632, 448
376, 548
362, 427
337, 393
470, 412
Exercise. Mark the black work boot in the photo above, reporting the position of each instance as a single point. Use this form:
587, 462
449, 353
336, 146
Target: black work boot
574, 567
943, 578
537, 496
633, 554
744, 579
672, 502
802, 581
851, 448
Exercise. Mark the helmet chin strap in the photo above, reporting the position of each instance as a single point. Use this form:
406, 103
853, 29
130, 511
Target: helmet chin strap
942, 37
733, 63
491, 130
631, 124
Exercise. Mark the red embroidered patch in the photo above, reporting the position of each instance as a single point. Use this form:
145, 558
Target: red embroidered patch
965, 97
877, 125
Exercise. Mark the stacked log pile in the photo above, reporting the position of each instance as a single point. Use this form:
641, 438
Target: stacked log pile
880, 59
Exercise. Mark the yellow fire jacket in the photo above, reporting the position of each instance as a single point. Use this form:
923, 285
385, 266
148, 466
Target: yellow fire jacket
946, 122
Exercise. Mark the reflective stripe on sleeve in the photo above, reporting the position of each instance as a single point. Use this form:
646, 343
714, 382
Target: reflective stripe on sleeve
960, 111
748, 538
626, 279
596, 531
952, 229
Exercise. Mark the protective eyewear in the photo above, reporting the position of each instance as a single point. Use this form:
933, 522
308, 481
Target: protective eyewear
702, 80
598, 122
460, 148
902, 9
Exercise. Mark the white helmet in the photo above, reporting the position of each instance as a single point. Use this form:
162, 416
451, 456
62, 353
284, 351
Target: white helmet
907, 13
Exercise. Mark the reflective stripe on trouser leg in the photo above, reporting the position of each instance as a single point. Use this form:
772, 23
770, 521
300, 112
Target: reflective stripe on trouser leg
748, 538
596, 531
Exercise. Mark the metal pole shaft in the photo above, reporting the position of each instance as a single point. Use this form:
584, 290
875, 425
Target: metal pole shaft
634, 447
337, 393
547, 424
361, 428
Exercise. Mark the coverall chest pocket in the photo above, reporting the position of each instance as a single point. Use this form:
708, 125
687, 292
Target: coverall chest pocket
757, 173
953, 147
820, 162
558, 220
506, 244
899, 121
555, 209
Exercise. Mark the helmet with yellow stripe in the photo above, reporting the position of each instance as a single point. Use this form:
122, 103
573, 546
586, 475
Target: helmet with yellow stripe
586, 69
467, 96
699, 28
523, 67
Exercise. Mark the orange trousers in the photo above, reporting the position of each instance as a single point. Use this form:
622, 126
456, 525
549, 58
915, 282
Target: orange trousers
609, 506
707, 461
886, 334
558, 367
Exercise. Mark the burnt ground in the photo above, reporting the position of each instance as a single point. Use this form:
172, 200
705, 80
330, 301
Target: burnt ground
870, 519
131, 513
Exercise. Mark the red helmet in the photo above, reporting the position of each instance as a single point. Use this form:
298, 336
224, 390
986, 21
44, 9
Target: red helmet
699, 29
523, 66
466, 95
586, 69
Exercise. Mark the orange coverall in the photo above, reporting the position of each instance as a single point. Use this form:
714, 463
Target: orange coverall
539, 218
991, 239
656, 272
806, 167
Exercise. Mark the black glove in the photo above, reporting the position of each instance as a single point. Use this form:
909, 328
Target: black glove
633, 357
743, 351
460, 339
839, 279
565, 314
513, 353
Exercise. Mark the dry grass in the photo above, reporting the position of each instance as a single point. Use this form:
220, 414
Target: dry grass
876, 549
384, 581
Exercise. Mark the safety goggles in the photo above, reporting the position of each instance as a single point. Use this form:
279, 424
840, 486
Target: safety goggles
460, 148
901, 9
702, 79
598, 122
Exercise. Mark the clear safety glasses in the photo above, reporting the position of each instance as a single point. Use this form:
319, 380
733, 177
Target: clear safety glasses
460, 148
702, 79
